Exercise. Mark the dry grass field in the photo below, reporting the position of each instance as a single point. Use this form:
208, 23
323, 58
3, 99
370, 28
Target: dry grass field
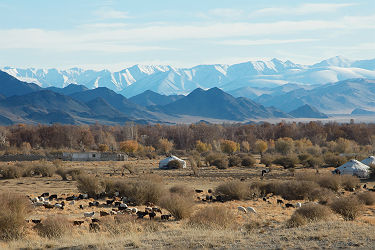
265, 229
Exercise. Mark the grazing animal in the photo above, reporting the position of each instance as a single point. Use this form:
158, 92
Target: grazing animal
78, 222
299, 204
70, 198
152, 215
80, 206
58, 205
71, 203
88, 214
117, 194
94, 227
95, 220
157, 210
109, 202
288, 205
198, 191
51, 197
165, 216
36, 221
242, 179
49, 206
264, 199
45, 195
103, 213
209, 191
148, 209
251, 210
117, 203
365, 186
134, 210
242, 209
219, 198
280, 201
141, 214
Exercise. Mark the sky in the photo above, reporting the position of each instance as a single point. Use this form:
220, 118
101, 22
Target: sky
114, 34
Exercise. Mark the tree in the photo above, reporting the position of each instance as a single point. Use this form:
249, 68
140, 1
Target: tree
165, 146
260, 147
245, 146
129, 146
202, 147
229, 147
103, 147
284, 145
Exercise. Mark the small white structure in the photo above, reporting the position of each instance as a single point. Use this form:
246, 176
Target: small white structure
369, 160
163, 164
354, 167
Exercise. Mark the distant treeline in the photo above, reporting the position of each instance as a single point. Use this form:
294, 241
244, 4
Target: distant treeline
182, 137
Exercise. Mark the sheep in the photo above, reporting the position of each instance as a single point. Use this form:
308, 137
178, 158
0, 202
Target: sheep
264, 199
141, 214
94, 227
38, 204
80, 206
117, 203
113, 212
157, 210
123, 206
134, 210
95, 220
148, 209
78, 222
36, 199
198, 191
71, 203
89, 214
36, 221
85, 196
288, 205
209, 191
70, 198
128, 210
41, 199
110, 202
53, 196
165, 216
117, 194
152, 215
299, 204
280, 201
45, 195
242, 209
58, 205
103, 213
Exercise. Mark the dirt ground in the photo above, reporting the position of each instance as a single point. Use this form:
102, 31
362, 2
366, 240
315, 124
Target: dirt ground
335, 233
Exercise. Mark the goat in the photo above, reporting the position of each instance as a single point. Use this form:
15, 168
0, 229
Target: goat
209, 191
89, 214
148, 209
152, 215
80, 206
242, 209
110, 202
94, 227
288, 205
198, 191
264, 199
141, 214
134, 210
70, 198
103, 213
251, 210
58, 205
36, 221
299, 204
49, 206
117, 203
280, 201
165, 216
51, 197
157, 210
78, 222
95, 220
45, 195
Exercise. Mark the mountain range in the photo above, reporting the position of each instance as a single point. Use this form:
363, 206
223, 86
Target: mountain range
168, 80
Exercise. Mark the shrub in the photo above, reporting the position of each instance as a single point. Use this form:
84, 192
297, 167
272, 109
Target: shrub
309, 213
212, 156
44, 171
221, 163
234, 161
54, 227
103, 147
63, 173
260, 147
248, 161
165, 146
266, 160
284, 145
202, 147
174, 164
334, 160
295, 190
14, 208
217, 217
330, 181
234, 190
142, 191
129, 146
296, 220
11, 172
286, 161
323, 195
367, 198
181, 190
118, 224
89, 184
349, 182
179, 206
348, 207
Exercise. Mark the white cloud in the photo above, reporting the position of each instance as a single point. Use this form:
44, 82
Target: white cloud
263, 42
107, 13
225, 13
309, 8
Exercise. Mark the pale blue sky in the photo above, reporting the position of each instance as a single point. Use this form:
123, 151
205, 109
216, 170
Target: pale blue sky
115, 34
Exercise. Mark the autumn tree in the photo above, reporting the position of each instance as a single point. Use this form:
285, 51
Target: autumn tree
245, 146
284, 145
229, 147
260, 147
129, 146
165, 146
103, 147
202, 147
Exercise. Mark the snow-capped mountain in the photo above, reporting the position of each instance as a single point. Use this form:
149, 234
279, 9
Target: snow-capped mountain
169, 80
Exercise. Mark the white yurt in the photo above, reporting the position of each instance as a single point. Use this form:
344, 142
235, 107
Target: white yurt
163, 164
354, 167
369, 160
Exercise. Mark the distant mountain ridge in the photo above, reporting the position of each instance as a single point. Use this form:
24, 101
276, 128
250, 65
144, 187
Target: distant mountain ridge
168, 80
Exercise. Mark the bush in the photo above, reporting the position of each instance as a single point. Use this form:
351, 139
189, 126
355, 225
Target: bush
11, 172
221, 163
234, 161
54, 227
286, 161
119, 224
334, 160
323, 195
349, 182
179, 206
44, 171
296, 220
367, 198
266, 160
348, 207
309, 213
213, 217
248, 161
89, 184
330, 181
212, 156
63, 173
234, 190
14, 208
295, 190
174, 164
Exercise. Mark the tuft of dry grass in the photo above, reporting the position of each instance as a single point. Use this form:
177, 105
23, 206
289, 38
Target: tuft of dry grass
181, 190
330, 181
119, 224
367, 198
213, 217
14, 208
55, 226
180, 207
309, 213
348, 207
90, 185
349, 182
